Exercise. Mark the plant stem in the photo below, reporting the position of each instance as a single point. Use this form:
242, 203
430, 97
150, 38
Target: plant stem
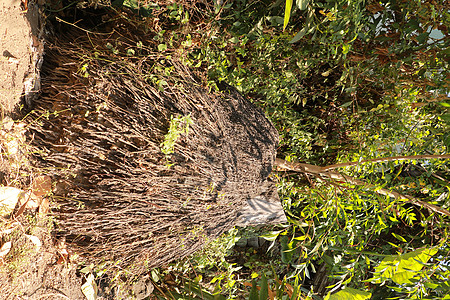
323, 172
383, 159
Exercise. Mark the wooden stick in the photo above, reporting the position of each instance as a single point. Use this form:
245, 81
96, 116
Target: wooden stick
382, 159
319, 171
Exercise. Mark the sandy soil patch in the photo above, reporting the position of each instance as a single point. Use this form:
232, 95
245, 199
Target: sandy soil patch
20, 53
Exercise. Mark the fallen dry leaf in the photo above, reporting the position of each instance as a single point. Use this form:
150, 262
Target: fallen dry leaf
63, 257
9, 196
28, 201
42, 185
5, 249
11, 226
44, 206
36, 241
62, 250
89, 288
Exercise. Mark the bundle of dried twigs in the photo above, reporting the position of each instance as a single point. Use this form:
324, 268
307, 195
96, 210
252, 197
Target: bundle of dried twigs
99, 125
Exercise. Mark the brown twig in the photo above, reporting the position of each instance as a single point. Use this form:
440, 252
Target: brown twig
319, 171
383, 159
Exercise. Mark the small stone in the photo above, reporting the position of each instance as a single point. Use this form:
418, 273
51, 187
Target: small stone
143, 288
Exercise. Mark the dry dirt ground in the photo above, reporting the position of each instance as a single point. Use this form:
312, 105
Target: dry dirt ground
31, 266
15, 53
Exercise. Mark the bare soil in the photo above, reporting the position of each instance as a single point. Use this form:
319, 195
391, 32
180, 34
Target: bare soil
32, 269
15, 53
32, 272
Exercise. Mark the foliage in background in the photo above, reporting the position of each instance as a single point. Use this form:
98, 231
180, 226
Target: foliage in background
348, 81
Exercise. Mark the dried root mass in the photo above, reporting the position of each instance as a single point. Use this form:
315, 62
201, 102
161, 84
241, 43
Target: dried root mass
98, 127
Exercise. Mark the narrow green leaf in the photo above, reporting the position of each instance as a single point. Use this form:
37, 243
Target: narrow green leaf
399, 237
264, 292
286, 255
298, 36
271, 236
346, 104
201, 292
253, 292
350, 294
307, 273
297, 286
307, 28
287, 13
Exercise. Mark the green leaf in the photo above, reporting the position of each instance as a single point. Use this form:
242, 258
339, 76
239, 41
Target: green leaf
345, 48
399, 237
296, 289
193, 287
307, 28
253, 293
302, 4
307, 273
431, 285
402, 268
446, 118
446, 140
299, 35
162, 47
135, 5
286, 255
346, 104
423, 37
117, 3
264, 292
271, 236
287, 13
349, 294
328, 260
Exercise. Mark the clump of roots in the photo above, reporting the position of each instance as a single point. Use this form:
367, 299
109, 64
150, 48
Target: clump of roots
98, 127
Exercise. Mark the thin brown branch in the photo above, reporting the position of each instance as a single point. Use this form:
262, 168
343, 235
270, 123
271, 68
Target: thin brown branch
383, 159
319, 171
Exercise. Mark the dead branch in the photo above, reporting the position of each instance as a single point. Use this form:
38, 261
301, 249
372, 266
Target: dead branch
383, 159
319, 171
